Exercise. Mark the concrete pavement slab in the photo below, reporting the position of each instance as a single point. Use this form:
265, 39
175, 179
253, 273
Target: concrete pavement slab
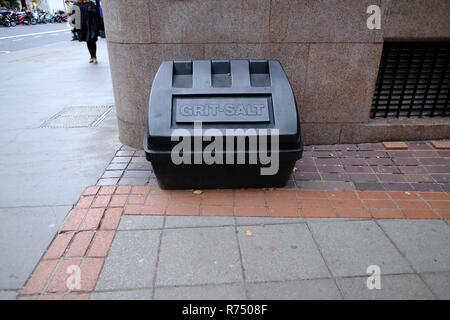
51, 159
199, 256
123, 295
425, 243
197, 221
40, 159
352, 246
131, 261
8, 295
235, 291
393, 287
129, 222
280, 252
439, 284
259, 221
25, 234
318, 289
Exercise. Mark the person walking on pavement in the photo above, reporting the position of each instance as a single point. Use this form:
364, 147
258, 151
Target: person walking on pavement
69, 12
87, 26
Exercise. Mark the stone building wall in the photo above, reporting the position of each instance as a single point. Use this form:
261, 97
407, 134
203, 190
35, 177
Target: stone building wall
329, 55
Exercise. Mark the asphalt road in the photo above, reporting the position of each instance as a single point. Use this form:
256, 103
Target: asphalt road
26, 37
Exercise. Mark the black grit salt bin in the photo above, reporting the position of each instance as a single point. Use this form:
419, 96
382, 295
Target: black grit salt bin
207, 122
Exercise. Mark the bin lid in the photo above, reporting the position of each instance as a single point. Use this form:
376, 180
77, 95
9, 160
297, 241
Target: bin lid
221, 94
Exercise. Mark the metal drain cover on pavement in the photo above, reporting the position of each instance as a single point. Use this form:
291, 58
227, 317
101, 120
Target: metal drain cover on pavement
77, 117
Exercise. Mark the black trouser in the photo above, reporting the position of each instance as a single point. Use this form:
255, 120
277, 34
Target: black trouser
92, 47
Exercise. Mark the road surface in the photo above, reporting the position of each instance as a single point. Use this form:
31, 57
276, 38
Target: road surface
26, 37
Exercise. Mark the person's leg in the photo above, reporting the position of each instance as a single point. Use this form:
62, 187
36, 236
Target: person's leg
92, 49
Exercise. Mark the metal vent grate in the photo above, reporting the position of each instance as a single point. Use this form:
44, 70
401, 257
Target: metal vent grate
413, 80
78, 117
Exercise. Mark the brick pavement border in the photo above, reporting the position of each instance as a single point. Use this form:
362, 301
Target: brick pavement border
88, 232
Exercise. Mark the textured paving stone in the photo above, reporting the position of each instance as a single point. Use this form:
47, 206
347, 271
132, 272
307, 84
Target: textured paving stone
280, 252
117, 166
439, 284
369, 186
196, 256
394, 186
137, 174
418, 145
112, 174
363, 177
295, 290
424, 243
107, 182
210, 292
306, 176
385, 169
428, 187
131, 261
324, 167
122, 295
350, 247
134, 181
393, 287
140, 222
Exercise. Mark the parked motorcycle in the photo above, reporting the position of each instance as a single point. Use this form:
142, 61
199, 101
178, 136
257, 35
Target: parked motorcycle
5, 18
59, 17
48, 17
40, 16
24, 17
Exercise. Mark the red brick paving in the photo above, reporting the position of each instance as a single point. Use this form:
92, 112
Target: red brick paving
87, 233
91, 191
387, 214
318, 212
353, 213
107, 190
78, 296
91, 269
93, 219
58, 246
76, 217
101, 244
154, 210
111, 218
58, 282
39, 277
217, 211
80, 244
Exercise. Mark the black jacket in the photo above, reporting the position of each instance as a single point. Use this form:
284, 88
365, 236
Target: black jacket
89, 21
